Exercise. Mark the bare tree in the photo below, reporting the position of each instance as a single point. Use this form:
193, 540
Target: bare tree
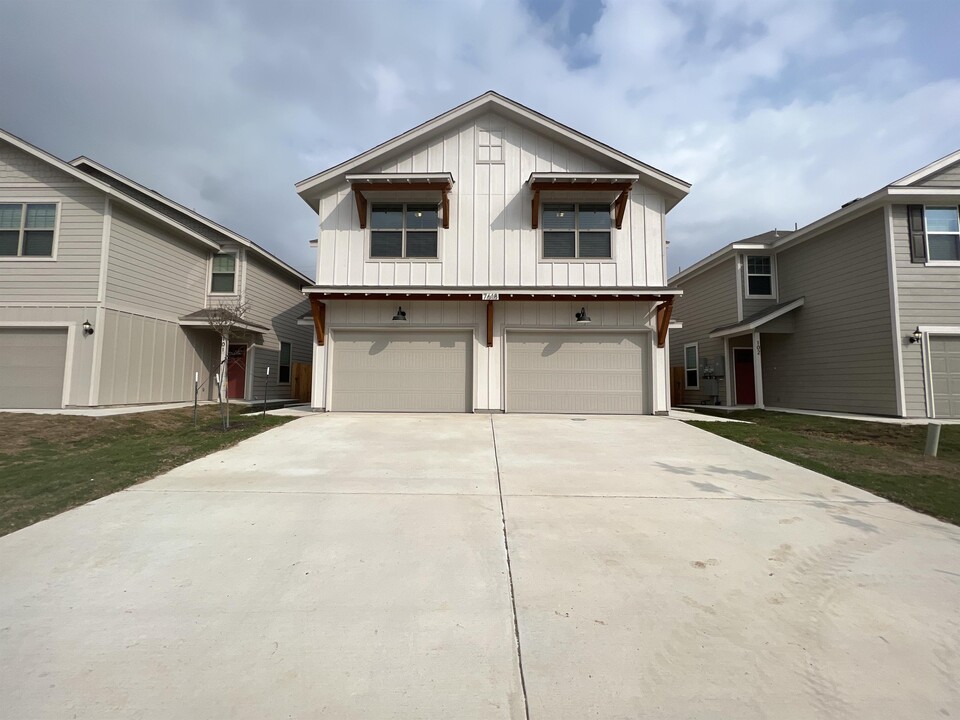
227, 320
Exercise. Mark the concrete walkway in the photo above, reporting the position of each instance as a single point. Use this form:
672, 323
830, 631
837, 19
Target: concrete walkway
412, 566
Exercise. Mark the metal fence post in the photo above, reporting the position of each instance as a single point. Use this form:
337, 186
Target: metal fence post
266, 379
933, 439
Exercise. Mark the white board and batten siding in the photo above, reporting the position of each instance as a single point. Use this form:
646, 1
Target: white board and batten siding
490, 241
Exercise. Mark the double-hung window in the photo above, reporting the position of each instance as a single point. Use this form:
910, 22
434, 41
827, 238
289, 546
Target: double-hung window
691, 360
759, 276
403, 230
223, 275
943, 233
284, 375
27, 229
576, 230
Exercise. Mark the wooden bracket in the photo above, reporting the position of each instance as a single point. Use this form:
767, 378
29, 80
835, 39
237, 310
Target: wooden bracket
664, 310
445, 203
621, 205
535, 212
361, 208
319, 312
489, 323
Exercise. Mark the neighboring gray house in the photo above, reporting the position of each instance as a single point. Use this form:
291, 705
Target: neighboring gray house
489, 260
104, 287
857, 312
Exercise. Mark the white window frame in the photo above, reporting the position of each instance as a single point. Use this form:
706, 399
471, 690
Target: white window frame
747, 275
576, 231
280, 363
403, 247
490, 146
695, 368
926, 235
23, 219
236, 274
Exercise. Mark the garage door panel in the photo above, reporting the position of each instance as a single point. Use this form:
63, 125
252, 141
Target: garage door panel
945, 375
401, 371
595, 373
32, 362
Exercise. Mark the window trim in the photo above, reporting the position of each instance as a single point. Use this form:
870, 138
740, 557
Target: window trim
403, 232
280, 363
747, 275
696, 368
926, 236
56, 229
576, 231
236, 274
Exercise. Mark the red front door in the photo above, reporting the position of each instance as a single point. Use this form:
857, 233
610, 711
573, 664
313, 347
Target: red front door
743, 376
236, 371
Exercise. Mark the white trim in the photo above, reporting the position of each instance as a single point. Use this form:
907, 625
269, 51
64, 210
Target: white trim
97, 364
894, 312
402, 178
738, 269
727, 372
71, 327
456, 292
757, 370
24, 201
929, 190
941, 263
696, 368
747, 275
940, 329
236, 292
927, 233
581, 177
928, 170
105, 248
759, 322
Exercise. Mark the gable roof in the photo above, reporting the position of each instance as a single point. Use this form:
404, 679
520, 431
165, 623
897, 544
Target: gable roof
928, 170
177, 212
56, 162
758, 319
763, 241
674, 188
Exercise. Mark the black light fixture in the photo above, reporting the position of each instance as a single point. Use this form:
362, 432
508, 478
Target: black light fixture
87, 328
401, 316
582, 316
917, 336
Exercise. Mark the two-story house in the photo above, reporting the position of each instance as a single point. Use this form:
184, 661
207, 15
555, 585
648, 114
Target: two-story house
106, 287
491, 259
857, 312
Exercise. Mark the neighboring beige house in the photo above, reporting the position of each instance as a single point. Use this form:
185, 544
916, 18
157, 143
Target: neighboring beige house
104, 286
857, 312
491, 259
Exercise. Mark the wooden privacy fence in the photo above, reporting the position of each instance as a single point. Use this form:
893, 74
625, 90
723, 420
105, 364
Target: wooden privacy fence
301, 379
676, 385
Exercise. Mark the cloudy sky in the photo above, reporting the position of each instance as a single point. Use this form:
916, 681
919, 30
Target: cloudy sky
777, 111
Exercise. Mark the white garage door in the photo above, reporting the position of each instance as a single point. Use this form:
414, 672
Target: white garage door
401, 371
32, 361
583, 372
945, 374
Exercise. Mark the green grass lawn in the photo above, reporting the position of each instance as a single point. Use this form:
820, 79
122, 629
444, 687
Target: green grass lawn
882, 458
51, 463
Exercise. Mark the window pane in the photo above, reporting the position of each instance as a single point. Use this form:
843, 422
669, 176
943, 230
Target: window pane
559, 244
422, 244
284, 353
559, 217
944, 247
283, 376
594, 217
758, 264
10, 217
38, 243
386, 244
690, 357
224, 263
691, 378
595, 244
422, 217
41, 216
222, 283
943, 220
9, 240
760, 285
386, 216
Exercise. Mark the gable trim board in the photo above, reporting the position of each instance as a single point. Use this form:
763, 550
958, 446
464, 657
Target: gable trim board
928, 170
895, 310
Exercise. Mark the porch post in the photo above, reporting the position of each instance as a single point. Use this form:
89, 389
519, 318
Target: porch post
727, 372
757, 370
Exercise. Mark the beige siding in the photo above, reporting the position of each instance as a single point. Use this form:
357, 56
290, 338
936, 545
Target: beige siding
840, 358
927, 295
490, 242
709, 301
75, 274
147, 360
948, 177
152, 269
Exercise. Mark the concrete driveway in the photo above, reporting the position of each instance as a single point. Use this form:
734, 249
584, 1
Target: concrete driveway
359, 566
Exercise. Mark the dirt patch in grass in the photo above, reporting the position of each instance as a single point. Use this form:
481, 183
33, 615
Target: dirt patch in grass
50, 463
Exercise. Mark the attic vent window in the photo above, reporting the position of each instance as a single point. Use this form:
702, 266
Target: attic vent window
489, 146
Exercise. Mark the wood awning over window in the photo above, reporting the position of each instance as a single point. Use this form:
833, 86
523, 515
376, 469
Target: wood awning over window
581, 187
402, 187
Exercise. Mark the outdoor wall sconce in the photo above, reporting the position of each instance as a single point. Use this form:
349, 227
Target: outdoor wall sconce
401, 316
917, 336
87, 328
582, 316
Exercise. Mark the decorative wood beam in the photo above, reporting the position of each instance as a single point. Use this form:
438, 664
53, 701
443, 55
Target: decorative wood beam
361, 207
581, 186
664, 310
535, 209
319, 312
445, 202
400, 187
621, 205
489, 323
